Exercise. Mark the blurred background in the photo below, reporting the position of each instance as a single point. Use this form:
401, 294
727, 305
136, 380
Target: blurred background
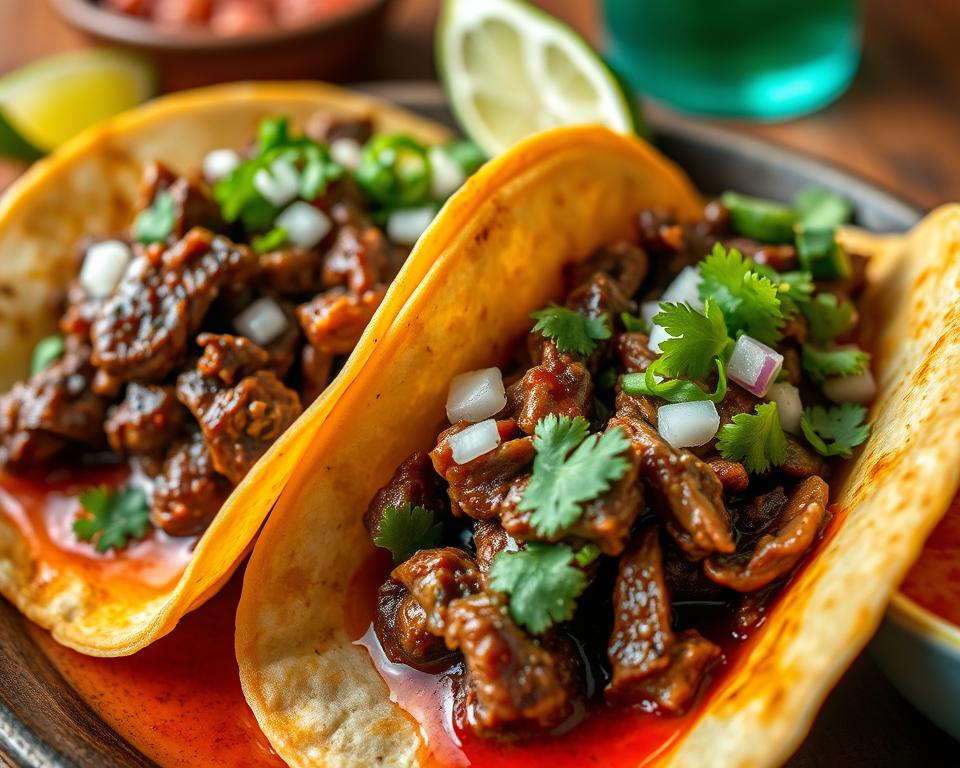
898, 123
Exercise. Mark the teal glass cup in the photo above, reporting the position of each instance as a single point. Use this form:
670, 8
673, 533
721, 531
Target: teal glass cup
763, 59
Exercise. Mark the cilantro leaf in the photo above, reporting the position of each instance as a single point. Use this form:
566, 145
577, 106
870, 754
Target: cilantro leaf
794, 288
755, 439
112, 518
701, 337
570, 468
634, 324
819, 208
821, 363
406, 529
271, 241
748, 300
272, 132
827, 318
46, 352
155, 224
571, 331
835, 431
542, 582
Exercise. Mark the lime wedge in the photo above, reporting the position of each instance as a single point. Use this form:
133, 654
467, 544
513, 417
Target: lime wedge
511, 70
47, 102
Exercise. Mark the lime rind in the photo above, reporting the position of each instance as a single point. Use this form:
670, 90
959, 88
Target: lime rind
13, 145
510, 70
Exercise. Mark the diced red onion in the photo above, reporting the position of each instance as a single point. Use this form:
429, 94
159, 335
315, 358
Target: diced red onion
658, 335
474, 441
476, 395
753, 365
304, 224
851, 389
346, 152
280, 184
220, 163
407, 224
446, 175
262, 322
103, 266
789, 406
685, 425
685, 288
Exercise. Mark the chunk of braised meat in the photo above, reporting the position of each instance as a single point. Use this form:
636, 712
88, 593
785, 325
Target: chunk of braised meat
802, 462
792, 367
413, 483
193, 206
731, 474
240, 413
57, 407
491, 484
751, 612
775, 554
325, 127
146, 421
782, 258
640, 407
640, 642
600, 296
228, 358
436, 577
188, 493
515, 681
688, 494
761, 511
292, 271
401, 626
80, 309
315, 373
334, 321
625, 262
659, 232
559, 385
633, 352
794, 329
357, 259
143, 330
736, 401
686, 580
674, 688
489, 540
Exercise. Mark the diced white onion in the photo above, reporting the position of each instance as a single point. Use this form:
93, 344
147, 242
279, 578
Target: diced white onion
685, 288
658, 335
346, 152
447, 175
684, 425
304, 224
280, 184
851, 389
103, 266
476, 395
407, 224
475, 440
261, 322
789, 407
649, 310
220, 163
753, 365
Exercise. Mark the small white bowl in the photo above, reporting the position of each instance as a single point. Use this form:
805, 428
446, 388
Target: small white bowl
920, 653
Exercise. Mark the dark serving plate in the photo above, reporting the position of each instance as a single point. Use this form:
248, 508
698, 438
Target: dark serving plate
45, 724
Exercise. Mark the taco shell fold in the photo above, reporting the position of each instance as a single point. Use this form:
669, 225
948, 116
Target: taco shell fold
497, 252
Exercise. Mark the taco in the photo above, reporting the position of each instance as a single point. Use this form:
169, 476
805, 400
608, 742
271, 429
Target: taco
638, 489
186, 280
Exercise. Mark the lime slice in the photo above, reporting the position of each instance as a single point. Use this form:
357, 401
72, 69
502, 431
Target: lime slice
511, 70
49, 101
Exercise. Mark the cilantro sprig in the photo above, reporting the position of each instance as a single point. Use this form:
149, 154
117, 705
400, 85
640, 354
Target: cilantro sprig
827, 317
569, 469
794, 288
46, 353
835, 431
755, 439
569, 330
700, 337
112, 519
820, 363
407, 529
748, 300
155, 224
542, 582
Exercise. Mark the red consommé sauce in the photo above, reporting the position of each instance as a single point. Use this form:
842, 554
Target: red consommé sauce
934, 580
178, 701
600, 736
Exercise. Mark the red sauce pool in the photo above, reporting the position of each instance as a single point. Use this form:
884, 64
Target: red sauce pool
934, 580
179, 700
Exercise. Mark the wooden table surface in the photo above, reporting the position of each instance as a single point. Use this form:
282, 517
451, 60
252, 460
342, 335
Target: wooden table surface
898, 125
